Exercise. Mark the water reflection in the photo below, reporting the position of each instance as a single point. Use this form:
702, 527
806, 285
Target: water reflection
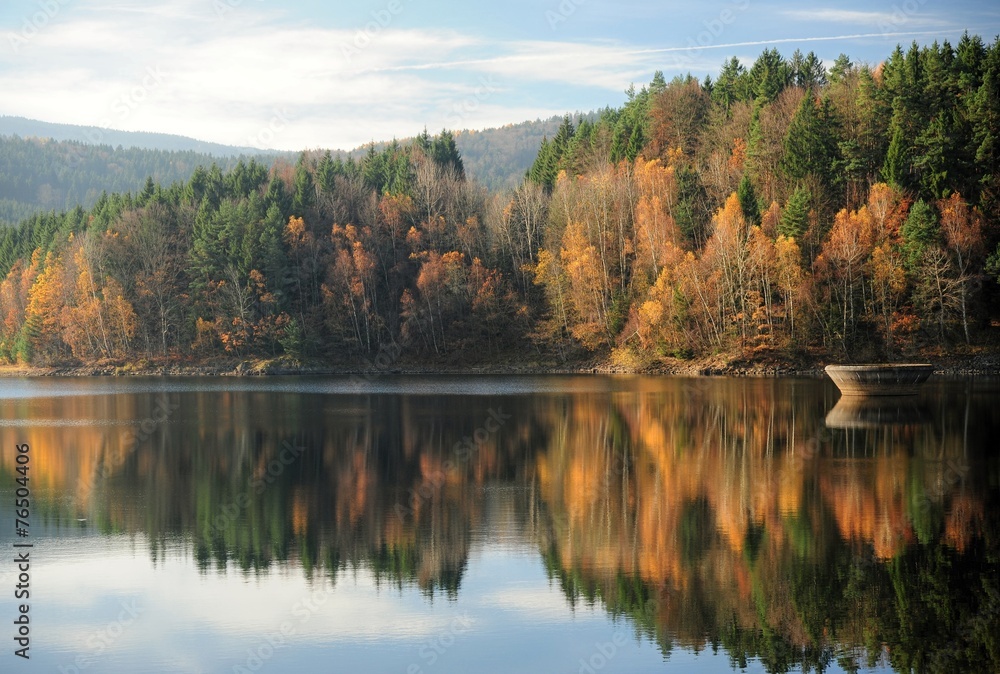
876, 412
744, 522
755, 516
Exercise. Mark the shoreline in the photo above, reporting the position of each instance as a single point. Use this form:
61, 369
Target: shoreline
979, 365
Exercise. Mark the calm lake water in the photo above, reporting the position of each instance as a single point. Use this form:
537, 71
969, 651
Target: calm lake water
573, 524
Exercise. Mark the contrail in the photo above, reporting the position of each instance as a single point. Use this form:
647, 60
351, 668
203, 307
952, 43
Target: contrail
755, 43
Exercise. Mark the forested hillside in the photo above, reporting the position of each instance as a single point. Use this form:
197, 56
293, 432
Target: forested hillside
780, 208
44, 175
498, 158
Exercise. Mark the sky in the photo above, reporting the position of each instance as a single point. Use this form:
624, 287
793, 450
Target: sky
309, 74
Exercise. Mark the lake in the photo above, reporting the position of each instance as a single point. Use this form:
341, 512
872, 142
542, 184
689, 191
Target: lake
437, 524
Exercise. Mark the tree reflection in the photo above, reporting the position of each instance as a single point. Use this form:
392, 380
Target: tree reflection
708, 514
752, 526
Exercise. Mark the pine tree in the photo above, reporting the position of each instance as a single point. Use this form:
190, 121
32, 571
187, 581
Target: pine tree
895, 168
809, 144
561, 143
985, 115
769, 75
729, 86
840, 69
936, 157
446, 155
795, 216
748, 201
326, 173
809, 73
304, 198
543, 170
423, 141
919, 231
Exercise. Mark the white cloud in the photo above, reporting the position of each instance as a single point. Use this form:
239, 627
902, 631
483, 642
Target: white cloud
173, 595
883, 20
228, 79
255, 76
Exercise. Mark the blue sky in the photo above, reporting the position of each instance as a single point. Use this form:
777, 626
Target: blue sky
307, 74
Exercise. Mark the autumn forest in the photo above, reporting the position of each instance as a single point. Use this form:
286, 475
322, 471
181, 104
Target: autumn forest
782, 209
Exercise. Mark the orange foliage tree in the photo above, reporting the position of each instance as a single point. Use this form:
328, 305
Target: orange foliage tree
841, 267
14, 293
350, 293
97, 321
962, 227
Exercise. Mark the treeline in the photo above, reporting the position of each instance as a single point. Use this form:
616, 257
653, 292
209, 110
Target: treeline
46, 175
777, 208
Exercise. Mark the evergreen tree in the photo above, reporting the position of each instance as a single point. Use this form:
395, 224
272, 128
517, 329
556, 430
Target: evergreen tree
895, 168
304, 197
148, 192
578, 151
543, 170
810, 142
692, 206
374, 170
840, 69
658, 84
985, 114
730, 84
196, 188
277, 195
795, 216
748, 201
936, 160
445, 153
423, 141
562, 140
920, 230
326, 173
808, 72
769, 75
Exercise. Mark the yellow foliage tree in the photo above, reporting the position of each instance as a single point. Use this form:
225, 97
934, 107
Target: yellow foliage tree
587, 295
654, 222
45, 303
97, 321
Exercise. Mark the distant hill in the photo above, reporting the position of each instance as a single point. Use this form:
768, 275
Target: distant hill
46, 166
92, 135
497, 158
49, 175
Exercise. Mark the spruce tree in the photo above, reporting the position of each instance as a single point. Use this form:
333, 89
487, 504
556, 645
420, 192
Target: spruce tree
809, 142
748, 201
795, 216
920, 230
